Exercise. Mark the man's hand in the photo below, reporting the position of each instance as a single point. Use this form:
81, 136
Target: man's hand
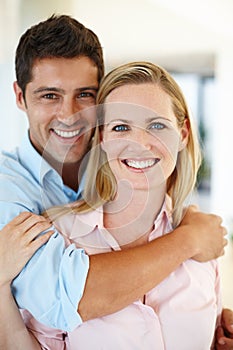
224, 333
19, 240
206, 232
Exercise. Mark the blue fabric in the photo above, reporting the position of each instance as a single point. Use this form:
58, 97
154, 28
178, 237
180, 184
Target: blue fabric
29, 183
49, 286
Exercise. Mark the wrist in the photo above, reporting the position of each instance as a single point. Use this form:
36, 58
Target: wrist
187, 240
5, 287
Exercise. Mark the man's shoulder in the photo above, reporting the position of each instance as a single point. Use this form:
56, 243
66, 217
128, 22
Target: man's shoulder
14, 176
9, 155
11, 166
18, 190
9, 158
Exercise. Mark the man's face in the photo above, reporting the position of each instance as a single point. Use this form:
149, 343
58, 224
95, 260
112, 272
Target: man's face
60, 105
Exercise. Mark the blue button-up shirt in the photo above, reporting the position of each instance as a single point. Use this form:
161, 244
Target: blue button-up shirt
29, 183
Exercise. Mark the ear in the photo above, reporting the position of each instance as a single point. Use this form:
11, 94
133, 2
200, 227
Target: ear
102, 143
184, 135
19, 97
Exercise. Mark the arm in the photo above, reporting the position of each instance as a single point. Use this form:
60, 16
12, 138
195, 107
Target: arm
115, 279
13, 333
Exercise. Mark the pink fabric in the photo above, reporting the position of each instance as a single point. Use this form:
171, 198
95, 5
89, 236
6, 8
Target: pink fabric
180, 313
49, 338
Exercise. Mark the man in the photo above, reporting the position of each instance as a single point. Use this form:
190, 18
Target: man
59, 66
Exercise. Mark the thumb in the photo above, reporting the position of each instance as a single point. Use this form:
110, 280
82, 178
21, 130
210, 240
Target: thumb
190, 209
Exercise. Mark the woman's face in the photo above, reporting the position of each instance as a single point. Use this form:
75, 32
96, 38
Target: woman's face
140, 136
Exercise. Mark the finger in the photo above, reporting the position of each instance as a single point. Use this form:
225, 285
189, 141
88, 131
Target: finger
31, 221
193, 207
16, 227
18, 220
225, 243
35, 231
216, 218
41, 240
222, 253
224, 231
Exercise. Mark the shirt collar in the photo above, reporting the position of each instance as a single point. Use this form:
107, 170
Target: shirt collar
33, 162
87, 222
166, 211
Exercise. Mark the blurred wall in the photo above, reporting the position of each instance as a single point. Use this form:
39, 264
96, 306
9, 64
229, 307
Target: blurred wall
192, 37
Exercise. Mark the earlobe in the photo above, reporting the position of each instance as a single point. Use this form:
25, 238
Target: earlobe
102, 143
19, 96
183, 144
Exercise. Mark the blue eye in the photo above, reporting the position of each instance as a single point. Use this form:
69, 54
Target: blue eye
119, 128
157, 126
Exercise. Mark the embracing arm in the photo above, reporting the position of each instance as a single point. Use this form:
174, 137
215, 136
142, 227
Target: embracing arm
117, 279
13, 333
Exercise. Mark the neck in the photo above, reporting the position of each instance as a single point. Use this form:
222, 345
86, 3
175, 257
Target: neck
70, 175
68, 171
132, 214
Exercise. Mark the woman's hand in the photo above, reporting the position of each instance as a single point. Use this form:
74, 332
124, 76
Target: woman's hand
19, 240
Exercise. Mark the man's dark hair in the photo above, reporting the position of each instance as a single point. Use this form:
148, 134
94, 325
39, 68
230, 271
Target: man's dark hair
58, 36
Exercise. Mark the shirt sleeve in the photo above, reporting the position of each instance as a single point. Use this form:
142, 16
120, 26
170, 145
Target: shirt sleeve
218, 293
48, 338
52, 284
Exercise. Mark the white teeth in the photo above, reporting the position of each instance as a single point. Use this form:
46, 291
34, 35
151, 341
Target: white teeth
140, 164
66, 134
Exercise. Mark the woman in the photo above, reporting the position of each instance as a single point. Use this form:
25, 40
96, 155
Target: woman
145, 158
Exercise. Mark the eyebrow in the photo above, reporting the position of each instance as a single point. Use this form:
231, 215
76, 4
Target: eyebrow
62, 91
148, 120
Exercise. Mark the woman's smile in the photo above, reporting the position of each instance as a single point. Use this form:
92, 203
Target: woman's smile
140, 164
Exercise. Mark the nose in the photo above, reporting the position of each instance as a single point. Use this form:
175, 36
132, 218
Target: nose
142, 138
69, 111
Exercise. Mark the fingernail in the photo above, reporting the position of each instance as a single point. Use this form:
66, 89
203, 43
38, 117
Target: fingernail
221, 341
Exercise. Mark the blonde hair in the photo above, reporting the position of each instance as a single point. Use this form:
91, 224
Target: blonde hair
100, 183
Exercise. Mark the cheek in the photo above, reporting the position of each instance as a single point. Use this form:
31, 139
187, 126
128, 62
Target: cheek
113, 147
89, 114
110, 148
168, 144
39, 117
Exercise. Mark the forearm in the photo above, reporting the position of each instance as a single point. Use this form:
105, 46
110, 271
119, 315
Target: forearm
102, 284
117, 279
13, 332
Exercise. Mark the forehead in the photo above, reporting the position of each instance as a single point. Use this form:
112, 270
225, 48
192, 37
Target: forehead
81, 71
148, 97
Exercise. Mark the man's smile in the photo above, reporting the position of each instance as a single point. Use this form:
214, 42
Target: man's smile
67, 134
